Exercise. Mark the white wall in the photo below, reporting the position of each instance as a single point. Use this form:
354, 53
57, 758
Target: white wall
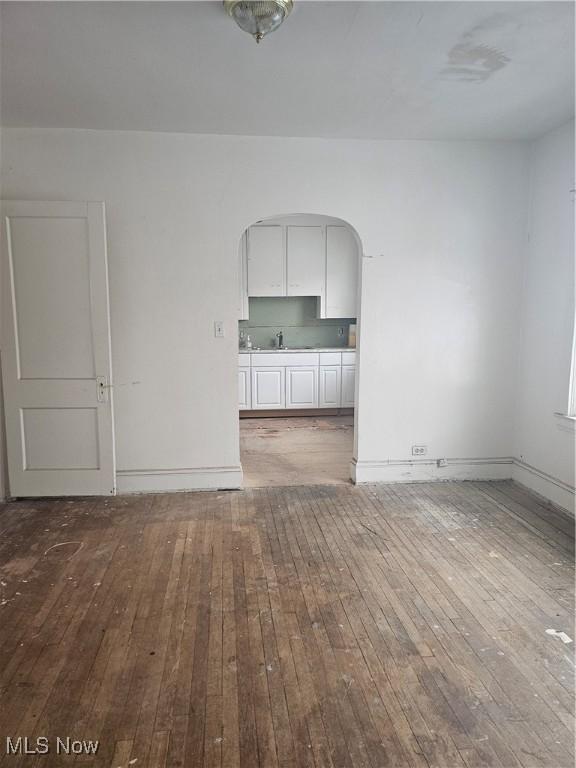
544, 444
442, 227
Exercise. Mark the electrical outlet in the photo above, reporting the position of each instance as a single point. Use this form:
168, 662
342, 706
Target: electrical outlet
218, 329
340, 331
419, 450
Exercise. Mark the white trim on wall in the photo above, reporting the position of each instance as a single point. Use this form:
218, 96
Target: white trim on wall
500, 468
427, 470
190, 479
548, 486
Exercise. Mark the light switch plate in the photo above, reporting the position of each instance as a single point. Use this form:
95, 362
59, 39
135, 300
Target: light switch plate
218, 329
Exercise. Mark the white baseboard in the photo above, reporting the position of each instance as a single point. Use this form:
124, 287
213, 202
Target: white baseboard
427, 470
392, 471
501, 468
545, 485
166, 480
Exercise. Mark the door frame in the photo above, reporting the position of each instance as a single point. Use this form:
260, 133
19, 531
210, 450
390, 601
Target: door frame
94, 393
240, 278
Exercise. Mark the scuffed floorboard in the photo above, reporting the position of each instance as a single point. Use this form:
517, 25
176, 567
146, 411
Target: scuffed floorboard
305, 450
397, 625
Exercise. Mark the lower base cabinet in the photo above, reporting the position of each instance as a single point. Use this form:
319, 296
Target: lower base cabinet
302, 387
244, 387
296, 380
348, 385
268, 389
330, 386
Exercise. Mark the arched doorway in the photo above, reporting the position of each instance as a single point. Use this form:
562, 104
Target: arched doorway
298, 350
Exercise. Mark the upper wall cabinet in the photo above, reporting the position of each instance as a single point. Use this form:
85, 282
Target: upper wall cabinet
305, 261
301, 260
341, 273
266, 268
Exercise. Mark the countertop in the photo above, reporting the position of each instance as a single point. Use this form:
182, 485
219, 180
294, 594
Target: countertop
297, 349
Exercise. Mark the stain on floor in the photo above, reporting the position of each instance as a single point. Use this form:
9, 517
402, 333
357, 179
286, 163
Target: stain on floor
303, 450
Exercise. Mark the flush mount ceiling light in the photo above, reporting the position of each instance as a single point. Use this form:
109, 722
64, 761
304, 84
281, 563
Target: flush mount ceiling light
258, 17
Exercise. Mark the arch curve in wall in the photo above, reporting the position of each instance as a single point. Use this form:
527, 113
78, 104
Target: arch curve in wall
322, 218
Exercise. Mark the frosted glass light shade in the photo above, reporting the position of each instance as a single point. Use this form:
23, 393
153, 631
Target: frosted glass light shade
258, 17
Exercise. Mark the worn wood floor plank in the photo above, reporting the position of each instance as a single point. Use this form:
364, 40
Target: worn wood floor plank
391, 626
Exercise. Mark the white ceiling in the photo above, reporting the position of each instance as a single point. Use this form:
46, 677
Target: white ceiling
442, 70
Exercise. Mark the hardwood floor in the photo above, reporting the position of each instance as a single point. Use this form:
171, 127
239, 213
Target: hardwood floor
399, 625
305, 450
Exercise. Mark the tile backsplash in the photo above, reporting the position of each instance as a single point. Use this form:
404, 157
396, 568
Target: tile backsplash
296, 316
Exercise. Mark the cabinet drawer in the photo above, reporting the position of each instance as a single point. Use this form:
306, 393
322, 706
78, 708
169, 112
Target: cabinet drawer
348, 358
244, 360
273, 359
330, 358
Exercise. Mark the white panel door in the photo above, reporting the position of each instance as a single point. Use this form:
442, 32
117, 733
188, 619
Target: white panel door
305, 261
342, 266
56, 339
330, 385
244, 398
266, 262
302, 387
348, 385
268, 388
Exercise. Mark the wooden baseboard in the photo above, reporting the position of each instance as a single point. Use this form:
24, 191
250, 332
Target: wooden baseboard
286, 413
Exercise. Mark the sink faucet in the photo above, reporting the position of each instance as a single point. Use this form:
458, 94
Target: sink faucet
280, 337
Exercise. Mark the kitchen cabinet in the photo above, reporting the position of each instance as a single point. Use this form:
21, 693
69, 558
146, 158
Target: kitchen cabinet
342, 266
296, 379
285, 358
330, 386
244, 388
302, 387
348, 386
268, 387
301, 260
266, 261
305, 261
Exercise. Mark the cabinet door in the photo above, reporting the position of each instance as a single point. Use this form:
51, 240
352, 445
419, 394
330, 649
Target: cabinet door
266, 262
305, 261
330, 383
348, 385
302, 387
268, 388
244, 399
342, 264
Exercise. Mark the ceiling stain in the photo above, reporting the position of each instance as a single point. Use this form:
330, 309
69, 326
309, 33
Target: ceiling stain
474, 63
472, 59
